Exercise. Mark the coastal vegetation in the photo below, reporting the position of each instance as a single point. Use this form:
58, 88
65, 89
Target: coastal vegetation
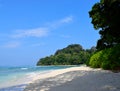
73, 54
108, 58
105, 18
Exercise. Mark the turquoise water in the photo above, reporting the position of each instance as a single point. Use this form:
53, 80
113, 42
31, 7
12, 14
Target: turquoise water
12, 78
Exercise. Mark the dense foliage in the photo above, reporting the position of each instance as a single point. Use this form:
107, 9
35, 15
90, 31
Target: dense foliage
71, 55
108, 58
105, 16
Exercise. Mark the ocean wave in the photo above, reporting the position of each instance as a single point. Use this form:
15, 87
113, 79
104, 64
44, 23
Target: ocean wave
24, 68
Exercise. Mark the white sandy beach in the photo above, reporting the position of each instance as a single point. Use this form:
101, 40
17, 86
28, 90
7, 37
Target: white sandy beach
76, 79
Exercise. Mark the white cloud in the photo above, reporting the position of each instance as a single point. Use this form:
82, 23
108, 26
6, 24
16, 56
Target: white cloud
38, 32
12, 44
41, 32
60, 22
67, 19
35, 32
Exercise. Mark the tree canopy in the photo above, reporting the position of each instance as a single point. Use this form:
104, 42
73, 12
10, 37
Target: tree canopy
73, 54
105, 17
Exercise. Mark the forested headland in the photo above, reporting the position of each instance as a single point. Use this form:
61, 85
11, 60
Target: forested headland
73, 54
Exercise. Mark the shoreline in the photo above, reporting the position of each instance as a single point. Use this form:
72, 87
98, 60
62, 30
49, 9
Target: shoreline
81, 78
54, 73
24, 75
29, 78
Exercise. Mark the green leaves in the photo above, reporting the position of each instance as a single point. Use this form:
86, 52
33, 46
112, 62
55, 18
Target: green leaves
107, 59
71, 55
105, 17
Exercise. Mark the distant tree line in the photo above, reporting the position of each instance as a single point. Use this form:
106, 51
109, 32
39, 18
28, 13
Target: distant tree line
73, 54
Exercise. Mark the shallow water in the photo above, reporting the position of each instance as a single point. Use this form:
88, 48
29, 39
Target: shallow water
16, 78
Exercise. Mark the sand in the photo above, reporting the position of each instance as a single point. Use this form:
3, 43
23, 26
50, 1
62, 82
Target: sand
76, 79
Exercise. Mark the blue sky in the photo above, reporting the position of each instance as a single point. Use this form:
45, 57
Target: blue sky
32, 29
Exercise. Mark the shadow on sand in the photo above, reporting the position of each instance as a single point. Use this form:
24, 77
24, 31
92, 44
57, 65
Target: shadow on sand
14, 88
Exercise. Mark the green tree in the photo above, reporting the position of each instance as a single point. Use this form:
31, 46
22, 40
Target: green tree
71, 55
108, 58
105, 17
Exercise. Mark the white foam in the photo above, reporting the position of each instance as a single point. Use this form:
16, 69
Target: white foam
24, 68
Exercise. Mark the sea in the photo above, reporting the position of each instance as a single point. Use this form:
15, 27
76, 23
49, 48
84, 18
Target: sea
17, 78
